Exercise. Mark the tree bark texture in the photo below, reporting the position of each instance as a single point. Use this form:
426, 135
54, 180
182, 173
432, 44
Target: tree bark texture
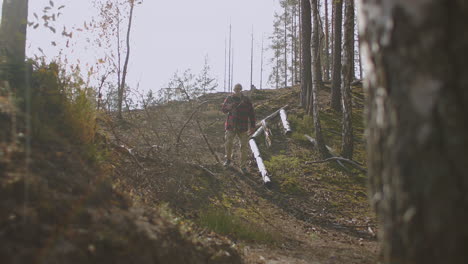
317, 82
417, 113
347, 76
306, 75
336, 67
13, 30
285, 46
315, 54
327, 44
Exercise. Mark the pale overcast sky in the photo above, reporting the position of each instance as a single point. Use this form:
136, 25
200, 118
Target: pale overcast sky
175, 35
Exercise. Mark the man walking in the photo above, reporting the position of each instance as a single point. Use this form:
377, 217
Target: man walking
240, 115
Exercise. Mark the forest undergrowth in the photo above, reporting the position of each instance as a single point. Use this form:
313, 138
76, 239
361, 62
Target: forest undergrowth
88, 187
173, 154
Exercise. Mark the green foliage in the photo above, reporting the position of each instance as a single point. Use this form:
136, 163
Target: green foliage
286, 170
62, 109
223, 222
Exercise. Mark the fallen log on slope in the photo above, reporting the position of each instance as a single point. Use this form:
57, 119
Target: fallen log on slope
352, 162
262, 124
336, 158
285, 122
262, 127
271, 116
314, 142
267, 134
260, 164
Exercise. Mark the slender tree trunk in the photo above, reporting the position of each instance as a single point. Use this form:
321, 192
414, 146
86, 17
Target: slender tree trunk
13, 30
353, 66
293, 46
417, 116
251, 61
336, 72
261, 67
277, 70
327, 44
321, 146
306, 75
285, 46
230, 56
127, 58
332, 36
300, 43
232, 70
347, 146
359, 57
225, 63
119, 66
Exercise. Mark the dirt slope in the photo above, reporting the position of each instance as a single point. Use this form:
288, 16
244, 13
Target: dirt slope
57, 207
313, 213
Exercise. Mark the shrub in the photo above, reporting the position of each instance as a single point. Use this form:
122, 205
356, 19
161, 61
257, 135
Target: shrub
63, 109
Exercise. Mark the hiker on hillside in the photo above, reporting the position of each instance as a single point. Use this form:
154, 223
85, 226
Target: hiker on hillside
240, 115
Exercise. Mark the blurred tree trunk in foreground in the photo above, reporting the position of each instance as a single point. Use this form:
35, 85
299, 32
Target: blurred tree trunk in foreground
13, 30
417, 115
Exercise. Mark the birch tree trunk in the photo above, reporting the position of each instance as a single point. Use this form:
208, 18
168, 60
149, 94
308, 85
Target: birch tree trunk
417, 115
336, 67
347, 76
306, 75
286, 45
316, 63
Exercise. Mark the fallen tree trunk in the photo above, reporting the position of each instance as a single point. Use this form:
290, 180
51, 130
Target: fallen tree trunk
257, 132
274, 114
285, 122
352, 162
314, 142
335, 157
267, 133
128, 151
260, 164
